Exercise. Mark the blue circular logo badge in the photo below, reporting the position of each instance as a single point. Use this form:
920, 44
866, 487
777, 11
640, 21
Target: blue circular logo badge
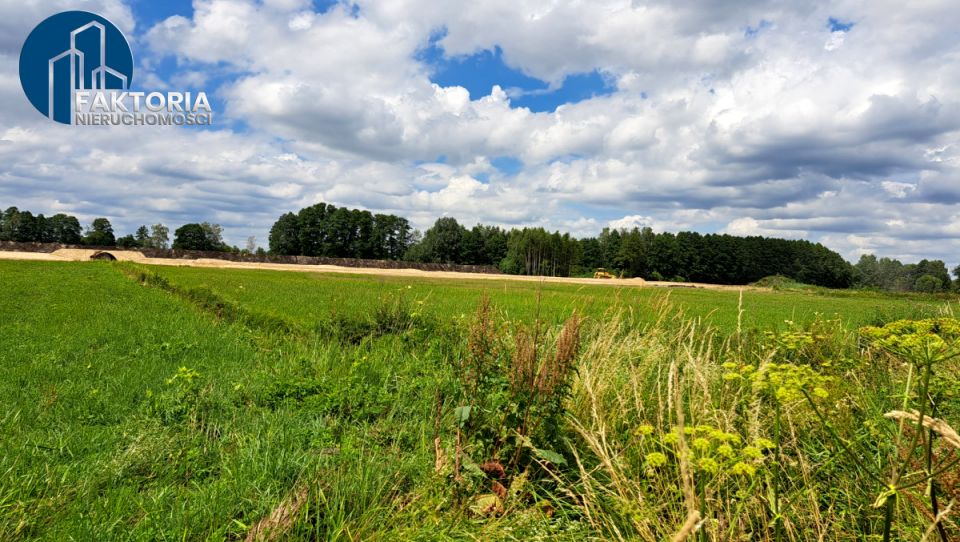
73, 50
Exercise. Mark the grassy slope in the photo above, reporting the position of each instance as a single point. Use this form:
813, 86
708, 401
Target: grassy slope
310, 297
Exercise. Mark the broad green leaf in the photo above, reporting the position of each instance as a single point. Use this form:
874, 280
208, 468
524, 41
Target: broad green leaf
550, 456
462, 414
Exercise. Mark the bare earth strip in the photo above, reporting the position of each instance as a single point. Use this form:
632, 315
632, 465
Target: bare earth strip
80, 255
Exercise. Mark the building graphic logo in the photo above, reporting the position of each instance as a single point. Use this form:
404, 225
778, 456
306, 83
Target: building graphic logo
70, 51
76, 68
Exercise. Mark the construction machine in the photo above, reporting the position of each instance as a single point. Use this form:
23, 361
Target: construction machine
602, 273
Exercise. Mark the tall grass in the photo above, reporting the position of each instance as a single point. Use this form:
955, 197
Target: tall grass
782, 438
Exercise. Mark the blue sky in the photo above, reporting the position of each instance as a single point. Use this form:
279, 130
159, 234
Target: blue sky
836, 25
479, 72
151, 12
833, 122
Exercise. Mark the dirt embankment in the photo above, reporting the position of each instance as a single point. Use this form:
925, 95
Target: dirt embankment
178, 254
77, 255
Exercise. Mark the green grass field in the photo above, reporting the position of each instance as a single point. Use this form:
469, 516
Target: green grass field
310, 297
171, 403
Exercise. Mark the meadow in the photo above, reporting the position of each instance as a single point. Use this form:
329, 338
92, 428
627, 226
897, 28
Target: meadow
308, 298
163, 403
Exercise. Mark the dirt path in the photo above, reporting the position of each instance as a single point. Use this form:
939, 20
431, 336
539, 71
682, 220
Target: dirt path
80, 255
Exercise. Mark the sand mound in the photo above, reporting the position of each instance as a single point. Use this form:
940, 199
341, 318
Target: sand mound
83, 254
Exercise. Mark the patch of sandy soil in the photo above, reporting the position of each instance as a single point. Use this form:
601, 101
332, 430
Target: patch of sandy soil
79, 255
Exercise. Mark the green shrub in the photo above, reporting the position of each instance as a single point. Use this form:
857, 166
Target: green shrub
928, 284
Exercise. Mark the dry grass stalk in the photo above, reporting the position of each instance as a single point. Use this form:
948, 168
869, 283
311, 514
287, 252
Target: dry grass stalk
595, 394
689, 526
440, 462
942, 428
936, 521
456, 458
554, 370
686, 475
524, 368
274, 526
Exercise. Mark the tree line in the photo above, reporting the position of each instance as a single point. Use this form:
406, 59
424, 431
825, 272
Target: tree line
338, 232
715, 258
891, 274
326, 230
25, 227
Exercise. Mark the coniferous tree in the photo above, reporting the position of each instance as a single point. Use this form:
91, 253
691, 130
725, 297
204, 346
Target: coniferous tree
142, 237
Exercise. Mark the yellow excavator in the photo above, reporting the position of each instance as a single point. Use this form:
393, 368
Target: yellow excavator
602, 273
